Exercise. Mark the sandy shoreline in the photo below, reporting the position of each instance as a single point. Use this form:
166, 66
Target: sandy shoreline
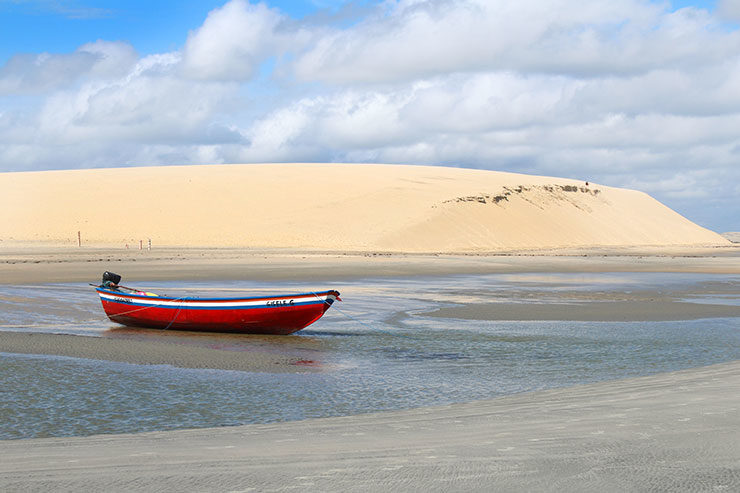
675, 431
151, 352
615, 311
82, 266
40, 265
254, 353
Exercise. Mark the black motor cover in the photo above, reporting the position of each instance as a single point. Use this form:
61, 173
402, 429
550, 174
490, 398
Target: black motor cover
113, 278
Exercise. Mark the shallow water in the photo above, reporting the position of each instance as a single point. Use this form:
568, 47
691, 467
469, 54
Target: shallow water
375, 351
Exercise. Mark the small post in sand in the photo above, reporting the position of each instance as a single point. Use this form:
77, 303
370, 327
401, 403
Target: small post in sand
79, 239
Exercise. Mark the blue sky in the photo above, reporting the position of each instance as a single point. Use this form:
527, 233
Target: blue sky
635, 93
36, 26
33, 26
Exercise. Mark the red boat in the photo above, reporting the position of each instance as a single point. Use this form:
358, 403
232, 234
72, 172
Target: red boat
284, 314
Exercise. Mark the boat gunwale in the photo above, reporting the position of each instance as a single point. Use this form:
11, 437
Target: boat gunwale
228, 299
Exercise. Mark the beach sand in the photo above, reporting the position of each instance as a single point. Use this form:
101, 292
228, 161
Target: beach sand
669, 432
178, 352
74, 265
596, 305
36, 264
332, 207
675, 431
594, 311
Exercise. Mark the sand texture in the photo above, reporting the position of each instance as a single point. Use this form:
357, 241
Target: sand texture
72, 264
604, 311
148, 352
670, 432
598, 305
334, 207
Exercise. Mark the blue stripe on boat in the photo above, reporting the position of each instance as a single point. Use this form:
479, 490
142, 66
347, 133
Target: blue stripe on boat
195, 307
195, 298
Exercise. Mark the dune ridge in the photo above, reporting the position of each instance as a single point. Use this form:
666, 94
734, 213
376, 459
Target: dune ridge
333, 207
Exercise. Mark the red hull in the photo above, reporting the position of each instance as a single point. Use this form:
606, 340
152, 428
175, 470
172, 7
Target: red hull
264, 315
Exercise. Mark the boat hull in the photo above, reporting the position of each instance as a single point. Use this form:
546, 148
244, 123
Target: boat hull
281, 315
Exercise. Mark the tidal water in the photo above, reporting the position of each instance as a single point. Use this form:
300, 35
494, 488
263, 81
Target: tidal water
377, 350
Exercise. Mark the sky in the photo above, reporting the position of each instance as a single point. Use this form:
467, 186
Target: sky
641, 94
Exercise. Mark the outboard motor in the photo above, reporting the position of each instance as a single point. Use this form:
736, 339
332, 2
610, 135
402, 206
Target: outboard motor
110, 278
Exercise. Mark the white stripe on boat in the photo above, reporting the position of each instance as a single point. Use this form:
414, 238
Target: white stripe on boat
195, 303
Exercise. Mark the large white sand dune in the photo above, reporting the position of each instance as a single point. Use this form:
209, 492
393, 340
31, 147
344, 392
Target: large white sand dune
333, 207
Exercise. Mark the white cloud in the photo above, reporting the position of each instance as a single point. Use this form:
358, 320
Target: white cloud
34, 74
624, 93
147, 104
282, 135
147, 114
501, 110
112, 58
421, 39
729, 9
232, 42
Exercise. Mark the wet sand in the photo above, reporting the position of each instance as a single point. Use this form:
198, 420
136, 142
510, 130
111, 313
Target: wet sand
676, 431
32, 265
151, 352
596, 311
38, 266
564, 302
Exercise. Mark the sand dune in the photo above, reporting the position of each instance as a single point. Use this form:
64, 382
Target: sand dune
332, 207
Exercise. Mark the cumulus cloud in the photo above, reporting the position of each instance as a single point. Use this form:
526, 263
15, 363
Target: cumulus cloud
625, 93
232, 42
146, 105
147, 115
112, 58
44, 72
588, 39
729, 9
